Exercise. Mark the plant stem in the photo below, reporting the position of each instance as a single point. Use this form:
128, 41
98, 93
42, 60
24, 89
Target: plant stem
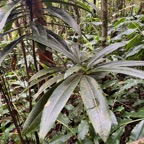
10, 108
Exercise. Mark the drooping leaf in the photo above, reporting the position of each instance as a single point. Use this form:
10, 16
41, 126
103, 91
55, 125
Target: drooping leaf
123, 63
34, 117
43, 72
109, 49
9, 31
48, 34
5, 12
62, 14
83, 129
56, 102
123, 70
76, 4
57, 38
55, 46
96, 106
47, 84
9, 47
138, 131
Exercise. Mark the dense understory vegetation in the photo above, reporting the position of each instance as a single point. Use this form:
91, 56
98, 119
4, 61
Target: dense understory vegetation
61, 82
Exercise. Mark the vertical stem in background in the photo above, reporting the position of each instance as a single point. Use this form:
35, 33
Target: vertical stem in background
104, 19
8, 101
25, 60
26, 65
29, 5
94, 1
141, 7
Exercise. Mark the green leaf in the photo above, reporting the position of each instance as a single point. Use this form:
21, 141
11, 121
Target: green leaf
60, 13
5, 12
63, 118
60, 138
83, 129
119, 22
124, 33
96, 106
92, 5
57, 38
135, 50
128, 84
56, 102
123, 70
116, 136
34, 117
123, 63
9, 47
46, 33
134, 114
47, 84
9, 31
138, 131
76, 4
43, 72
109, 49
52, 44
71, 70
133, 41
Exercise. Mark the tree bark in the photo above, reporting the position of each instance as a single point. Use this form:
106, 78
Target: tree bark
104, 19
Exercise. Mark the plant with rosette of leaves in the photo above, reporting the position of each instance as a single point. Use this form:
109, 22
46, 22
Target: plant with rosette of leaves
82, 73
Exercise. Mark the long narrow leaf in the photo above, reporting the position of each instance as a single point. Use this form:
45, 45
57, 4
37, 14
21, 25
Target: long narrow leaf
43, 72
9, 47
109, 49
40, 36
57, 38
47, 84
34, 117
138, 131
55, 46
76, 4
96, 106
60, 13
5, 12
38, 29
123, 70
123, 63
56, 102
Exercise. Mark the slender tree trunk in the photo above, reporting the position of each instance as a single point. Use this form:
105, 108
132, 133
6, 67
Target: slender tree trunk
141, 7
104, 19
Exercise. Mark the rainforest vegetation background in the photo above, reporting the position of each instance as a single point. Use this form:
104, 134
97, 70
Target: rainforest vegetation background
71, 71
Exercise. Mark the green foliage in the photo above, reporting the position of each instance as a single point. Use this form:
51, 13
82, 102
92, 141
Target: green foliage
89, 95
